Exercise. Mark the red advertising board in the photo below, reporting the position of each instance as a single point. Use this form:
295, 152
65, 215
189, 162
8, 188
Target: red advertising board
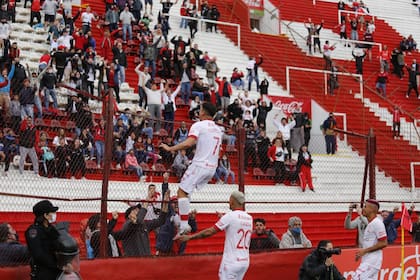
290, 105
255, 4
391, 265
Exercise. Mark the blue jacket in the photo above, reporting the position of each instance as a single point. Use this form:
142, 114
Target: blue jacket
164, 240
391, 226
6, 89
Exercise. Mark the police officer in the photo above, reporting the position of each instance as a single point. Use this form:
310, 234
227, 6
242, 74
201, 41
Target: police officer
41, 238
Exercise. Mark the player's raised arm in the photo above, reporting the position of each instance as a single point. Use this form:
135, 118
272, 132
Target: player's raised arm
188, 143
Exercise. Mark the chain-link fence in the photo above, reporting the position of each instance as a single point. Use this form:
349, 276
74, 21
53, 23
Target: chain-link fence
290, 169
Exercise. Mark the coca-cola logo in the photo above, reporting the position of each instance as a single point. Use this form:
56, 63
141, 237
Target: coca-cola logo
289, 108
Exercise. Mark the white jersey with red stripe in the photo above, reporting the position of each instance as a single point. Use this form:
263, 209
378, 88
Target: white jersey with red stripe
209, 138
238, 227
374, 232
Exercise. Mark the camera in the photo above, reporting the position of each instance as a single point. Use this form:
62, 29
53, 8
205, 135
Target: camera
328, 253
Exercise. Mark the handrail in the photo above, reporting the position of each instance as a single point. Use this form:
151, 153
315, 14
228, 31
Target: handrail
348, 41
354, 13
200, 20
413, 178
325, 72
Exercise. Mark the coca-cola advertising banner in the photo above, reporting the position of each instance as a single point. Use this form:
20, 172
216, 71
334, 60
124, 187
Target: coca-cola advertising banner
290, 105
391, 265
255, 4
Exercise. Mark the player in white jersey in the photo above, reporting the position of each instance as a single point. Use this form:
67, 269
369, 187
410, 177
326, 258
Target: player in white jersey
374, 240
238, 227
207, 137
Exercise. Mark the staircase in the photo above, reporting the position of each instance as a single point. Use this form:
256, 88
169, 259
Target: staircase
281, 52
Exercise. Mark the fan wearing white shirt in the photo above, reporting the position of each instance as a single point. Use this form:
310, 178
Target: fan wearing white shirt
238, 227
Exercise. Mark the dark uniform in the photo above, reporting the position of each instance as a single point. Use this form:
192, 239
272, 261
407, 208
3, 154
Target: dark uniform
42, 244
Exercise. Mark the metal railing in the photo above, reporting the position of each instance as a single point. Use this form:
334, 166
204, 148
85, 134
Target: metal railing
413, 179
347, 40
200, 28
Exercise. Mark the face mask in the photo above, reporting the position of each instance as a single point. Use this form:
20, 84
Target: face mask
53, 218
296, 230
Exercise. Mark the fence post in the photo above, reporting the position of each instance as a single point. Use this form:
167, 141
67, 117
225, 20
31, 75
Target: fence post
371, 154
109, 111
241, 157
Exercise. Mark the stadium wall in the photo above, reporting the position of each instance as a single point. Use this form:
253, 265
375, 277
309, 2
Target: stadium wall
279, 264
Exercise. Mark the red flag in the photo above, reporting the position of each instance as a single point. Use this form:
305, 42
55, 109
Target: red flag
406, 219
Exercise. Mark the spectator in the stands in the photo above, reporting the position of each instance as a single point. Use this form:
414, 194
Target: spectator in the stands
65, 40
180, 164
263, 144
263, 238
234, 111
181, 134
120, 60
327, 51
27, 145
303, 168
93, 235
193, 23
135, 231
61, 155
391, 224
368, 37
144, 79
251, 134
169, 108
60, 135
236, 79
27, 99
252, 68
411, 44
396, 122
359, 55
415, 232
285, 126
165, 245
5, 90
398, 62
248, 113
154, 101
151, 152
48, 83
294, 236
277, 154
10, 147
198, 89
165, 56
224, 171
49, 8
35, 11
167, 157
194, 108
185, 83
111, 18
360, 222
328, 127
127, 18
99, 137
381, 81
224, 91
60, 57
48, 159
262, 111
12, 251
384, 58
77, 160
69, 19
211, 71
413, 71
214, 15
87, 18
87, 143
131, 163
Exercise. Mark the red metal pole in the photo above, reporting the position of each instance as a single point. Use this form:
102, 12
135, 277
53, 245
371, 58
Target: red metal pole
241, 158
109, 99
372, 163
